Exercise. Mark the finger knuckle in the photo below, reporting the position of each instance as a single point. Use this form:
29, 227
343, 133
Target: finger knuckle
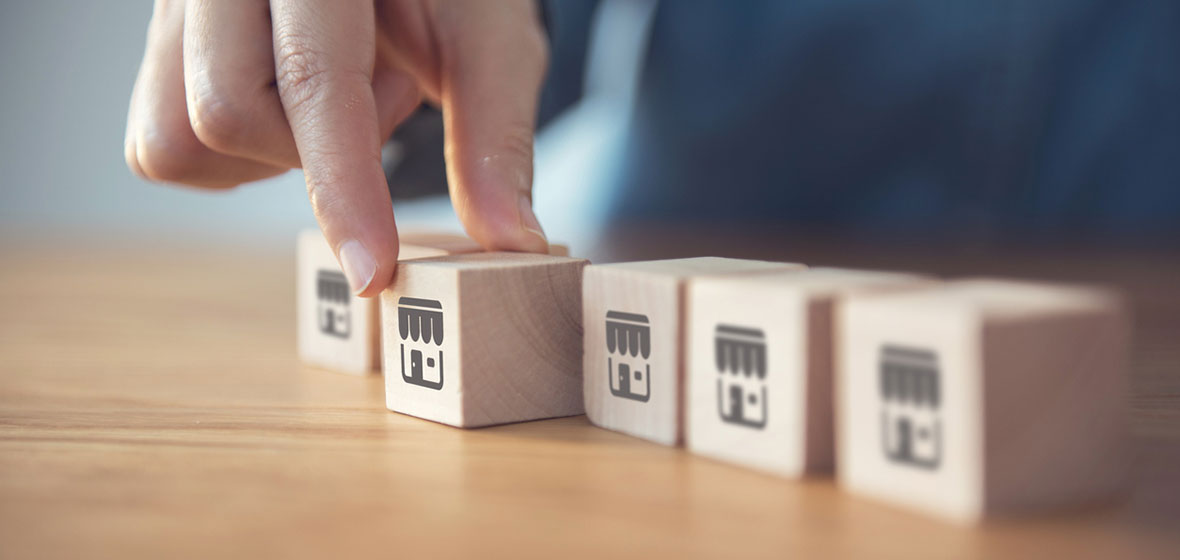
219, 119
303, 72
166, 154
300, 74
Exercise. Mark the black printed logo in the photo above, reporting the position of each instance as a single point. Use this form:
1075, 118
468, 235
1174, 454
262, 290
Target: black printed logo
741, 387
420, 324
332, 299
628, 340
910, 395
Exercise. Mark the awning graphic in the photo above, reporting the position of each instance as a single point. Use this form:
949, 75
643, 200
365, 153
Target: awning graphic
628, 333
909, 376
740, 350
331, 285
420, 318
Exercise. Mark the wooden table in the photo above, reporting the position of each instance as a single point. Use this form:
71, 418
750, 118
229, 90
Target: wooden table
151, 406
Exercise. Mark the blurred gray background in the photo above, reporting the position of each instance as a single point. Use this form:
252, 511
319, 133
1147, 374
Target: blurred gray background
68, 69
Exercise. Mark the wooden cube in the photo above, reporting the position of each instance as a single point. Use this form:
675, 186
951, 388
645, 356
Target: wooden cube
335, 329
486, 338
759, 366
634, 351
425, 244
982, 397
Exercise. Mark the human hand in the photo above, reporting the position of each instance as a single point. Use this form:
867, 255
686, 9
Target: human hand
232, 91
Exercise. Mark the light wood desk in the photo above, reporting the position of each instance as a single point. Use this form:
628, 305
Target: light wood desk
151, 406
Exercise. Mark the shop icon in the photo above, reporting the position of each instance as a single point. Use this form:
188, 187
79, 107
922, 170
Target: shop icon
332, 300
740, 354
911, 431
628, 341
420, 325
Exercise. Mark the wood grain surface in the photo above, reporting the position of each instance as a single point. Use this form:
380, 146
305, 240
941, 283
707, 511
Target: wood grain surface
506, 329
151, 405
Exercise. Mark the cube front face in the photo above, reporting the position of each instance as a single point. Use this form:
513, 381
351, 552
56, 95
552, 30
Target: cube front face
746, 375
335, 329
483, 339
910, 407
522, 341
631, 360
421, 340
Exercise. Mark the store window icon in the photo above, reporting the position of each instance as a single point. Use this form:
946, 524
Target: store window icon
628, 344
911, 430
420, 325
740, 354
332, 301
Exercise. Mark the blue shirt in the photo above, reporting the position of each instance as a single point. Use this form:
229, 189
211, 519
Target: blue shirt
988, 118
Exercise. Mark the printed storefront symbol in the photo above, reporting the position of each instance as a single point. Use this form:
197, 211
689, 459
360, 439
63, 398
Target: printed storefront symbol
911, 430
740, 354
628, 340
420, 325
332, 301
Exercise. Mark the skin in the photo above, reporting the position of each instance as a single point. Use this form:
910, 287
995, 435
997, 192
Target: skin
233, 91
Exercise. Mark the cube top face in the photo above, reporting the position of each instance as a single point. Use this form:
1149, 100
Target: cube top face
909, 386
423, 244
1002, 300
633, 366
778, 420
697, 266
479, 263
335, 329
1014, 299
559, 250
475, 340
445, 243
825, 282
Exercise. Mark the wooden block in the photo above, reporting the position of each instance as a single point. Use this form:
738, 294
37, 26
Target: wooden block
982, 397
559, 250
486, 338
634, 359
760, 364
335, 329
426, 244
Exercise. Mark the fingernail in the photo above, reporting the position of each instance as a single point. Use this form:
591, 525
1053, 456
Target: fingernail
359, 266
528, 219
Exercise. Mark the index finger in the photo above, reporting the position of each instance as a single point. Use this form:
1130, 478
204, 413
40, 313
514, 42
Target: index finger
324, 54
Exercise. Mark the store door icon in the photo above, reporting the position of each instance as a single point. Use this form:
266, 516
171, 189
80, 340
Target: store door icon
420, 325
911, 428
628, 343
740, 354
332, 301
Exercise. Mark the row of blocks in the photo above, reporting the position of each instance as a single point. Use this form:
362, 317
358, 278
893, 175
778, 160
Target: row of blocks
961, 398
